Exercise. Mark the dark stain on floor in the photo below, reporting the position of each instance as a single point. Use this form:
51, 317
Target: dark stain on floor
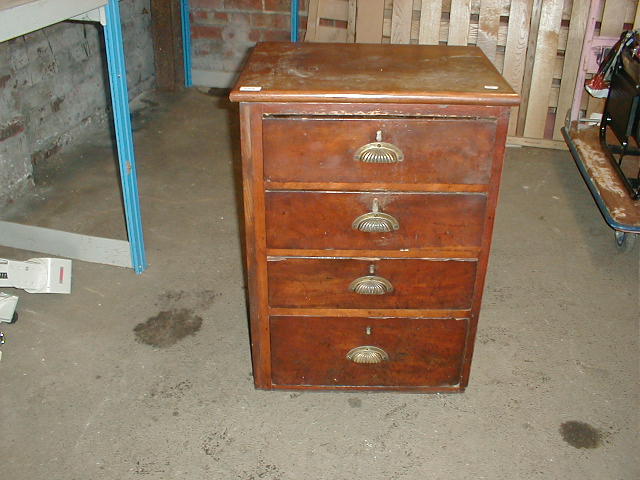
171, 391
168, 327
580, 434
198, 299
215, 443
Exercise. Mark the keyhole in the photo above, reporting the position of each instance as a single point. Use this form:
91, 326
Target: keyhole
367, 330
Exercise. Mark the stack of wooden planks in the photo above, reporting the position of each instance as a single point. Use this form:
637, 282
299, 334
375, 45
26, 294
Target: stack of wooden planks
535, 44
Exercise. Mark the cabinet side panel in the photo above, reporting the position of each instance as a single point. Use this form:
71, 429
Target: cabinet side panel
253, 198
492, 201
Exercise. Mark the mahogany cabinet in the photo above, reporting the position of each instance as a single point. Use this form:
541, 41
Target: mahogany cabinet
370, 176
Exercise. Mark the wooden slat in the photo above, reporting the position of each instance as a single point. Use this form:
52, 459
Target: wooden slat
459, 22
630, 11
571, 64
514, 56
536, 12
612, 18
473, 33
430, 15
532, 60
167, 42
351, 22
499, 61
401, 21
536, 142
329, 9
334, 9
312, 21
566, 9
488, 25
331, 34
542, 76
369, 19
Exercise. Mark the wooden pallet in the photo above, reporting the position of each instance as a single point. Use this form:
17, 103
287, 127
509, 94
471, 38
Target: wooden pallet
535, 44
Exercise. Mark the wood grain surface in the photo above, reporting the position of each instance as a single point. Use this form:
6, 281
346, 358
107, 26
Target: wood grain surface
369, 19
515, 51
299, 72
430, 17
542, 75
324, 283
436, 150
619, 204
459, 22
401, 21
311, 220
304, 186
571, 65
312, 351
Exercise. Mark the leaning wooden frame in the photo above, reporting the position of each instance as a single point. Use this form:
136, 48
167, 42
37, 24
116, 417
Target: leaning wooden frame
535, 44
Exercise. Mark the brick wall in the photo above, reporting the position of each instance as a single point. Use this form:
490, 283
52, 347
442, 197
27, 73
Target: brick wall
223, 31
53, 91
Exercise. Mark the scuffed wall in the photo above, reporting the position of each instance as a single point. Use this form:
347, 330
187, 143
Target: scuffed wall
53, 91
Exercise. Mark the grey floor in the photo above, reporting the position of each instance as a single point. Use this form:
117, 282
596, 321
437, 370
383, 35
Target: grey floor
554, 386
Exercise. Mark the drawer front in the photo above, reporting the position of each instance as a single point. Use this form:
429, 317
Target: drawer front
437, 150
413, 351
308, 220
325, 283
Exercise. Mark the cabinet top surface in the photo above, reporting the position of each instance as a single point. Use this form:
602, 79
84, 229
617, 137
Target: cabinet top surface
330, 72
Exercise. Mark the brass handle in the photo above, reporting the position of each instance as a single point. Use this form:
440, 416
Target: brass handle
375, 221
379, 152
367, 354
371, 284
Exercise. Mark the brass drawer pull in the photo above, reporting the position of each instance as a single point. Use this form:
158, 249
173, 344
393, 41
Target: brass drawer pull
371, 284
375, 221
379, 152
367, 354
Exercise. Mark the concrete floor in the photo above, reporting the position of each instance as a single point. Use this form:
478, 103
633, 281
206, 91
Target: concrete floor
554, 385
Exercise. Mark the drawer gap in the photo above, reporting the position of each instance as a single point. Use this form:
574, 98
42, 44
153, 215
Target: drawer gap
280, 116
373, 192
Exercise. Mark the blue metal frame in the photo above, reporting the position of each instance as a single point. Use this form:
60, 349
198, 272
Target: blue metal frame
186, 41
124, 136
294, 20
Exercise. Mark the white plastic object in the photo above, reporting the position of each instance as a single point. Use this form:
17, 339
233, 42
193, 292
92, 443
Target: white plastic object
8, 305
37, 275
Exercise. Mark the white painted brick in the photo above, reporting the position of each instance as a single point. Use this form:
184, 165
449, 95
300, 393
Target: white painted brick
64, 61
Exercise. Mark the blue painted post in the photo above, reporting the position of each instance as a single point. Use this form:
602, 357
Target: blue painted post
186, 41
124, 136
294, 20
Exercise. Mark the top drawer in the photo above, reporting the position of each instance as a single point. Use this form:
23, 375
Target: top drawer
435, 150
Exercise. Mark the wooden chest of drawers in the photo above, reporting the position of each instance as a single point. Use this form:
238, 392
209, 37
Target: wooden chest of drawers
370, 176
